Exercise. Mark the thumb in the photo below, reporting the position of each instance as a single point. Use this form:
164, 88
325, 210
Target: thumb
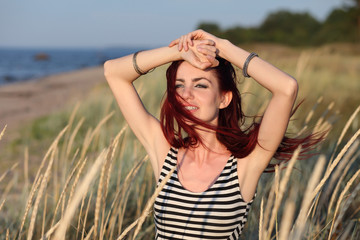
214, 62
203, 65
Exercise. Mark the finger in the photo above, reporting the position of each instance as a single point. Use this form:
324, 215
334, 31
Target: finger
181, 43
188, 41
200, 34
208, 47
185, 43
196, 62
208, 42
214, 62
207, 51
196, 34
174, 42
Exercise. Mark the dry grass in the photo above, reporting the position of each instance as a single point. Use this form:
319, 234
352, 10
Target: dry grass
3, 132
100, 218
89, 186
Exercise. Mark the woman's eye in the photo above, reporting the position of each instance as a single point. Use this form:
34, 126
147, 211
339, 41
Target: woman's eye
179, 85
201, 86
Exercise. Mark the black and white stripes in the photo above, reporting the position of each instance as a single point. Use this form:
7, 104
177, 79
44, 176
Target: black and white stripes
217, 213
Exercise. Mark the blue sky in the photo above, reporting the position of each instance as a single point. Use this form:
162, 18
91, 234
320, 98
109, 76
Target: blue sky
111, 23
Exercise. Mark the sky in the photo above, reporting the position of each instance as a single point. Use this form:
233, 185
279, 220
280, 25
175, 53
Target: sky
128, 23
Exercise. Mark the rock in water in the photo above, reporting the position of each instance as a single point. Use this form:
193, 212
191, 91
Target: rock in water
41, 57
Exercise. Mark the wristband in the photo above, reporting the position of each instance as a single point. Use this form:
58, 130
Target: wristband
246, 64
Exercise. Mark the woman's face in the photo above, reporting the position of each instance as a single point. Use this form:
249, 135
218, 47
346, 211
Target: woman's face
199, 92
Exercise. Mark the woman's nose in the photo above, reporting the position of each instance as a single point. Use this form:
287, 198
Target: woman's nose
187, 93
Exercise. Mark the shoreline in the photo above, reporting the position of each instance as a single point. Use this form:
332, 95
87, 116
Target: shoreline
22, 102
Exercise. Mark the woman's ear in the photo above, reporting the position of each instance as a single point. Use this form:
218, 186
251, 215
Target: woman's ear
225, 99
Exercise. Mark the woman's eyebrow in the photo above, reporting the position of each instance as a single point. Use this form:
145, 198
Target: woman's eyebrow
194, 79
201, 78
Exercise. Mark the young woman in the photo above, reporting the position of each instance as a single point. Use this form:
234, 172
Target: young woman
218, 164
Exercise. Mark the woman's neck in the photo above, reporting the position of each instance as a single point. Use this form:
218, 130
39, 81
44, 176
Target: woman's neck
209, 144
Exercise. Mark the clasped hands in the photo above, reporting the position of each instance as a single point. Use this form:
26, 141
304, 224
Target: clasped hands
198, 48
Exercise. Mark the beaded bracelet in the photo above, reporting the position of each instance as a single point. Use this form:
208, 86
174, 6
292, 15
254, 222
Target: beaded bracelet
246, 64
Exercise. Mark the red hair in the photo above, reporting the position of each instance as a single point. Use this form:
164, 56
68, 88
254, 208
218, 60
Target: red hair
240, 143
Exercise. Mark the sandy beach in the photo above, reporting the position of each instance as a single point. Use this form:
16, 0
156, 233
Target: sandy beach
24, 101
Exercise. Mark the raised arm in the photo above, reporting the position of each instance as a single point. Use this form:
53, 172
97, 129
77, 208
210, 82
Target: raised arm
275, 119
120, 74
283, 88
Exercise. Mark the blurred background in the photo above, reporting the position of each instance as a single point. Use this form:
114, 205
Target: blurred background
72, 35
58, 117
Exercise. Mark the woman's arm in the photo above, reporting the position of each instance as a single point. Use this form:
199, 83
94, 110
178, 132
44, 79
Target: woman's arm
283, 88
120, 74
275, 118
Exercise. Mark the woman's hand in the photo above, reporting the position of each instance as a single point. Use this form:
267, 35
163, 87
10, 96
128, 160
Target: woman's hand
187, 40
201, 55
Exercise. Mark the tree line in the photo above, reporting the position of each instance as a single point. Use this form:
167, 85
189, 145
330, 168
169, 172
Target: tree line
296, 29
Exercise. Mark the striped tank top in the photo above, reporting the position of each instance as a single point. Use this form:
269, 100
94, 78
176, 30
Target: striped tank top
217, 213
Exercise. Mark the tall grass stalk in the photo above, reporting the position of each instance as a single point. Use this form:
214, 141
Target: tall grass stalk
93, 133
151, 201
80, 192
280, 194
79, 217
2, 203
8, 171
29, 202
346, 205
139, 222
334, 163
349, 162
3, 132
44, 216
301, 220
86, 215
50, 231
345, 129
261, 220
348, 184
26, 169
126, 191
287, 218
62, 195
39, 195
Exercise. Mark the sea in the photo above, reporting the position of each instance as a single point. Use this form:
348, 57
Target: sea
25, 64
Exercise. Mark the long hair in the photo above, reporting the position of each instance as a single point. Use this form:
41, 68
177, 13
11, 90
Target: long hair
174, 120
